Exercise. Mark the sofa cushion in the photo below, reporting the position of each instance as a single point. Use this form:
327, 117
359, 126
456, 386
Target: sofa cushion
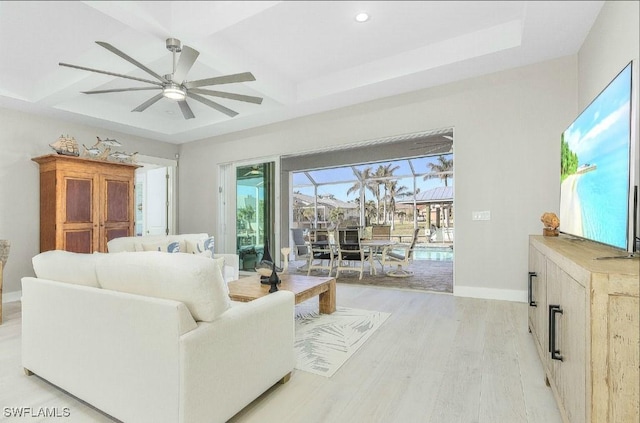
219, 261
207, 254
196, 281
65, 266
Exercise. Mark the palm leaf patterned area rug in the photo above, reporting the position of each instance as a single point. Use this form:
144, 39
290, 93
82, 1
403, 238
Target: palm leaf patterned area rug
324, 342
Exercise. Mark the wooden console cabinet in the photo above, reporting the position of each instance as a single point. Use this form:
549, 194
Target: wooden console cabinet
584, 317
84, 203
0, 292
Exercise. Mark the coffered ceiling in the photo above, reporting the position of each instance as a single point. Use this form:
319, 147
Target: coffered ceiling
307, 56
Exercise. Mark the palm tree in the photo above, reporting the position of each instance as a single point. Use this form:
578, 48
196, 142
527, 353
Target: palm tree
306, 213
336, 215
363, 177
394, 191
364, 180
369, 210
442, 170
376, 183
386, 172
247, 214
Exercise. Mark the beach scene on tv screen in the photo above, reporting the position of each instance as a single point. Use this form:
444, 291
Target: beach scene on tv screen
594, 188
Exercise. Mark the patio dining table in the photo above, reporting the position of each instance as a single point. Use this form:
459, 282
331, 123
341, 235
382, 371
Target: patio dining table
374, 246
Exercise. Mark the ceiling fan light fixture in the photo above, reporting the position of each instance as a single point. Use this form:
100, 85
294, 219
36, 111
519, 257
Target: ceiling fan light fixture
174, 92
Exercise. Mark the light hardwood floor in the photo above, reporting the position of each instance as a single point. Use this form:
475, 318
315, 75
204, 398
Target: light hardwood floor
437, 359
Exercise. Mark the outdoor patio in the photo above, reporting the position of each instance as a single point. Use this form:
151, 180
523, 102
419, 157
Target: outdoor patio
435, 275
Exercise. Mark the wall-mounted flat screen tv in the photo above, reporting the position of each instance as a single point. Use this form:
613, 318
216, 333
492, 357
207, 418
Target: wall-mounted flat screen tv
597, 168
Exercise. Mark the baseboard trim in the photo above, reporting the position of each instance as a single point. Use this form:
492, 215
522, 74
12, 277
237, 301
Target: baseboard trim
491, 293
8, 297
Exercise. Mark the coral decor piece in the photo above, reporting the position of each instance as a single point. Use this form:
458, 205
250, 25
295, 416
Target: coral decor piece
4, 255
5, 246
551, 224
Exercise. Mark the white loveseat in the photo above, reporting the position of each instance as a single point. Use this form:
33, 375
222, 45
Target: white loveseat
188, 244
152, 337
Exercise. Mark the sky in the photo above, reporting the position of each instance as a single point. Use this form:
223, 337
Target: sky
604, 125
346, 174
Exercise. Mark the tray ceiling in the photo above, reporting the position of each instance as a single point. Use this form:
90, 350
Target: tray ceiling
307, 56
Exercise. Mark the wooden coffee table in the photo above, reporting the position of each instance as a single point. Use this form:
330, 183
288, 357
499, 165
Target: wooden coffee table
304, 287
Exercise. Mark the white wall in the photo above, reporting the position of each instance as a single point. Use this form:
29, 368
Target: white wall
24, 136
506, 149
614, 40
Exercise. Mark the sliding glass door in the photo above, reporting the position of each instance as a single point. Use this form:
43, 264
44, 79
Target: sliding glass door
255, 213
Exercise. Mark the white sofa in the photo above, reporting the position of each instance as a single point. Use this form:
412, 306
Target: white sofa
152, 337
187, 242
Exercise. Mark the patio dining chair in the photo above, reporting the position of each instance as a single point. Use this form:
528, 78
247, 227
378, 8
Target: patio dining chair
399, 259
381, 232
300, 246
351, 257
322, 255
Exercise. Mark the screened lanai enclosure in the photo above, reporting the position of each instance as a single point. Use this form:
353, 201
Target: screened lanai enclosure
403, 195
382, 190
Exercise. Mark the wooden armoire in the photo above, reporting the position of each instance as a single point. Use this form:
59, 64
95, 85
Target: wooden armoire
84, 203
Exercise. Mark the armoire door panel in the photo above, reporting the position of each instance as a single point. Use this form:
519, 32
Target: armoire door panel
79, 199
79, 241
118, 203
116, 233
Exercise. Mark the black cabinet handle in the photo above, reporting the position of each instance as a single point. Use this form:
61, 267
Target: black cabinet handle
553, 311
532, 303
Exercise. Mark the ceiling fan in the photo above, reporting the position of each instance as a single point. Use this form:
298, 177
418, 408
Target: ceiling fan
174, 86
255, 171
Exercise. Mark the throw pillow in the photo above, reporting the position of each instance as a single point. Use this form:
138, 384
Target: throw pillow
163, 246
201, 245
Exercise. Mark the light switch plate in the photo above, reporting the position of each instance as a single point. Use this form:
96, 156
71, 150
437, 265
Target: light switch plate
481, 215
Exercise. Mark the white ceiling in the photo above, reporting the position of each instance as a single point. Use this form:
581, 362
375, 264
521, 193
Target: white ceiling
307, 56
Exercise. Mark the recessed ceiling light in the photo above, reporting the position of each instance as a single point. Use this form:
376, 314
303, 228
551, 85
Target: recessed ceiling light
362, 17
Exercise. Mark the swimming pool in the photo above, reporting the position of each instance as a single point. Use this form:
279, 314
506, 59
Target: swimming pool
433, 253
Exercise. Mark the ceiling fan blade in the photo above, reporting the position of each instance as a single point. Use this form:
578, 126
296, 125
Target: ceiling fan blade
152, 100
186, 110
130, 60
239, 97
110, 73
218, 107
226, 79
187, 58
118, 90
